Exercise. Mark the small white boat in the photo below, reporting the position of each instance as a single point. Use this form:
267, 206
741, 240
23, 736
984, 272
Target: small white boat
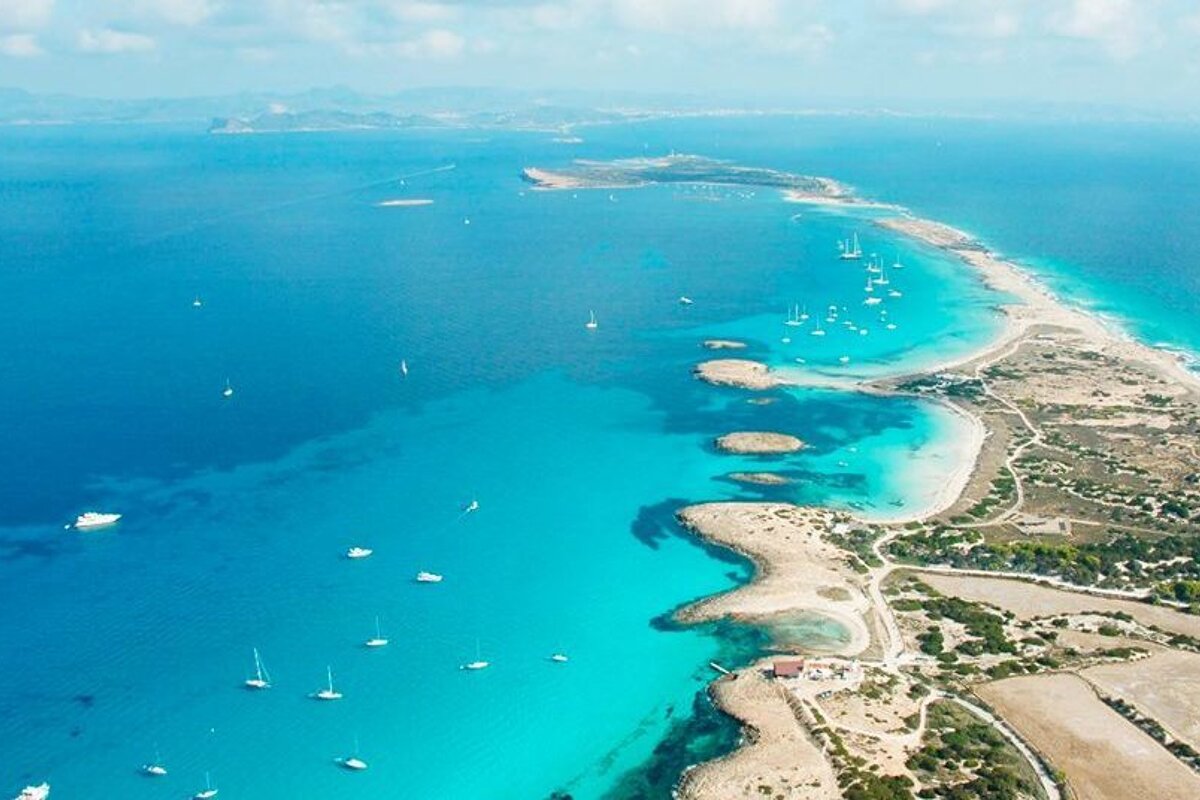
466, 220
228, 390
208, 793
793, 317
684, 300
891, 326
844, 360
155, 768
897, 264
404, 367
872, 301
478, 663
895, 293
870, 285
328, 693
559, 658
95, 519
817, 331
786, 340
359, 552
428, 577
471, 507
863, 332
803, 315
261, 679
378, 640
39, 792
353, 763
592, 324
197, 303
882, 280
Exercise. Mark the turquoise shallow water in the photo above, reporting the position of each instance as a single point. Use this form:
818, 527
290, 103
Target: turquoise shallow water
578, 446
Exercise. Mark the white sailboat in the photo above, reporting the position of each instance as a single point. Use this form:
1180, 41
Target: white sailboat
197, 302
155, 768
478, 663
803, 315
39, 792
559, 658
870, 285
882, 280
851, 251
353, 763
793, 317
404, 367
261, 679
817, 331
208, 793
228, 390
328, 693
897, 264
895, 293
592, 324
359, 552
684, 300
428, 577
379, 640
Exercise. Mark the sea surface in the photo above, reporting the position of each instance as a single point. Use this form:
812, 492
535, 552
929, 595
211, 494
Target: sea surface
577, 445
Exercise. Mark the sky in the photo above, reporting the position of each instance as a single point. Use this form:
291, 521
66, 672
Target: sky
931, 53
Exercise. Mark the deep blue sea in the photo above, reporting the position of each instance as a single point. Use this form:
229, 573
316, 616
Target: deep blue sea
578, 445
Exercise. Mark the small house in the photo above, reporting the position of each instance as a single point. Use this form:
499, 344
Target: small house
791, 668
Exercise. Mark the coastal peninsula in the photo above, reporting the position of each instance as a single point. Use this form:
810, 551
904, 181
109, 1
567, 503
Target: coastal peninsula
1015, 642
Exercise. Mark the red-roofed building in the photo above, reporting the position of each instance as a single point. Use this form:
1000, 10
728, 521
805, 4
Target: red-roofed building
792, 668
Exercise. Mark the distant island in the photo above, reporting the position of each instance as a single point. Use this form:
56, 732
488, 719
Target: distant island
289, 122
634, 172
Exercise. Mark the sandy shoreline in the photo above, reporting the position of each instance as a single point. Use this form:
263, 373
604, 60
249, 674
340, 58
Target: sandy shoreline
796, 569
786, 546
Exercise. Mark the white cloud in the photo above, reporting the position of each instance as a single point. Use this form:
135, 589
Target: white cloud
921, 7
1116, 25
320, 21
810, 42
435, 44
1000, 23
670, 16
557, 16
109, 41
177, 12
425, 12
25, 15
20, 45
256, 55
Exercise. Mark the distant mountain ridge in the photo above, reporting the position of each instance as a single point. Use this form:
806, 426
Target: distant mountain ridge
338, 108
